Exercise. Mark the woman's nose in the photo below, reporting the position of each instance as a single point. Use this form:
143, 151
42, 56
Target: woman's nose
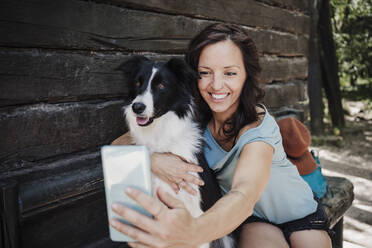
217, 83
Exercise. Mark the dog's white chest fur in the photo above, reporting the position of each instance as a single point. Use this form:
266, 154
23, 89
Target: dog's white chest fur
168, 133
171, 134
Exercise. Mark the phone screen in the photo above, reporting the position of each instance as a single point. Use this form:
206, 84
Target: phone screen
124, 166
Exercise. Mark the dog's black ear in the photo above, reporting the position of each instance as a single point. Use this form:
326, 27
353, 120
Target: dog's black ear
131, 66
182, 70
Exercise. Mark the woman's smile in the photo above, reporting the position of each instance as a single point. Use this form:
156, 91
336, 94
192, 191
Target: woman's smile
219, 97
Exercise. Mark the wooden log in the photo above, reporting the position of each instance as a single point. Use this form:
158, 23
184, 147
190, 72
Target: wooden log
279, 43
75, 225
35, 76
63, 200
338, 198
59, 76
249, 12
283, 69
57, 191
285, 94
92, 26
53, 184
302, 5
35, 170
35, 132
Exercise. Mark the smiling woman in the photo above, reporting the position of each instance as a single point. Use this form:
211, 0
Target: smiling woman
265, 201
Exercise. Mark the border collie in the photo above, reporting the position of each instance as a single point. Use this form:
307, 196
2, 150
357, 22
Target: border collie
160, 115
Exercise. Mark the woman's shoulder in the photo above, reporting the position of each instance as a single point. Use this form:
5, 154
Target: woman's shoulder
264, 129
261, 115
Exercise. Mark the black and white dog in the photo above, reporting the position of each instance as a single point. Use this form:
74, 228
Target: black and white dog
160, 115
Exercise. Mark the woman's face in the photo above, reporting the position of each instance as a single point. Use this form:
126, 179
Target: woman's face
223, 74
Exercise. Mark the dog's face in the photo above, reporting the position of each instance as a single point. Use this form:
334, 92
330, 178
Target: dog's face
157, 88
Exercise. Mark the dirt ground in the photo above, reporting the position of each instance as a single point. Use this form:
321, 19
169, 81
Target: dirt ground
350, 155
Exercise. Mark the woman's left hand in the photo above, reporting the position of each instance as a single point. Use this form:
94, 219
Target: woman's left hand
172, 225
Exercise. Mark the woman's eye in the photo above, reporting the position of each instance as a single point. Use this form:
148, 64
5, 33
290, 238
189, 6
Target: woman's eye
204, 73
160, 86
230, 73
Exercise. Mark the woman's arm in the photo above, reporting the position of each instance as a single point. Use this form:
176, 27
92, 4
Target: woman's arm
168, 167
249, 181
172, 224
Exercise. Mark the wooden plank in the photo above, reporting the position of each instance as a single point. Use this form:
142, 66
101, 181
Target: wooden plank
302, 5
87, 25
56, 76
249, 12
283, 69
285, 94
34, 132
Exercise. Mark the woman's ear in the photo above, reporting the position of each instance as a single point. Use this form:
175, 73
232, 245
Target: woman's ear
131, 66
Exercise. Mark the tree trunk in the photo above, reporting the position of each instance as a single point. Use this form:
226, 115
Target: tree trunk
315, 74
329, 66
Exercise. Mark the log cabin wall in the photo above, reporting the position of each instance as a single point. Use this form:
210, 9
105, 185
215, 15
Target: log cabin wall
61, 99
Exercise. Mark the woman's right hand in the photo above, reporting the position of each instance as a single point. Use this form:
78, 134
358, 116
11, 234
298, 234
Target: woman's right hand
174, 171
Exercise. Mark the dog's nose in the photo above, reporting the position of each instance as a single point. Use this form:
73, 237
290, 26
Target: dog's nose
138, 107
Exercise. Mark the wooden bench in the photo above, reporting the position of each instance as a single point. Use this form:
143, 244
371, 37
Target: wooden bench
336, 201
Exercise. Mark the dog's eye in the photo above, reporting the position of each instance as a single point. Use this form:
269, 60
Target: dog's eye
138, 84
161, 86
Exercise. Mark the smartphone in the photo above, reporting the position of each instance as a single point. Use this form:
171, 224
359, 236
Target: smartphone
124, 166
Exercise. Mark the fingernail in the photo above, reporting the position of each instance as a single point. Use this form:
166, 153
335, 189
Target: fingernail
114, 223
115, 206
128, 190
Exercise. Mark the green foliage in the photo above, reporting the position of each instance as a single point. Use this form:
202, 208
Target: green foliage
352, 27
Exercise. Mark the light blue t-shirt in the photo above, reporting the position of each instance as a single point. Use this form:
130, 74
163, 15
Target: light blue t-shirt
287, 196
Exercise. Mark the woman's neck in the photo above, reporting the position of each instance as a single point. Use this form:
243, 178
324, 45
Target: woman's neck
216, 129
216, 126
219, 118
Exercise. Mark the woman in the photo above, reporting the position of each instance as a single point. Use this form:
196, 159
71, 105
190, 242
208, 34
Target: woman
265, 200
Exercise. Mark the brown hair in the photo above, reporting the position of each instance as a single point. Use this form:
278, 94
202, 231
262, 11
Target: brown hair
251, 93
